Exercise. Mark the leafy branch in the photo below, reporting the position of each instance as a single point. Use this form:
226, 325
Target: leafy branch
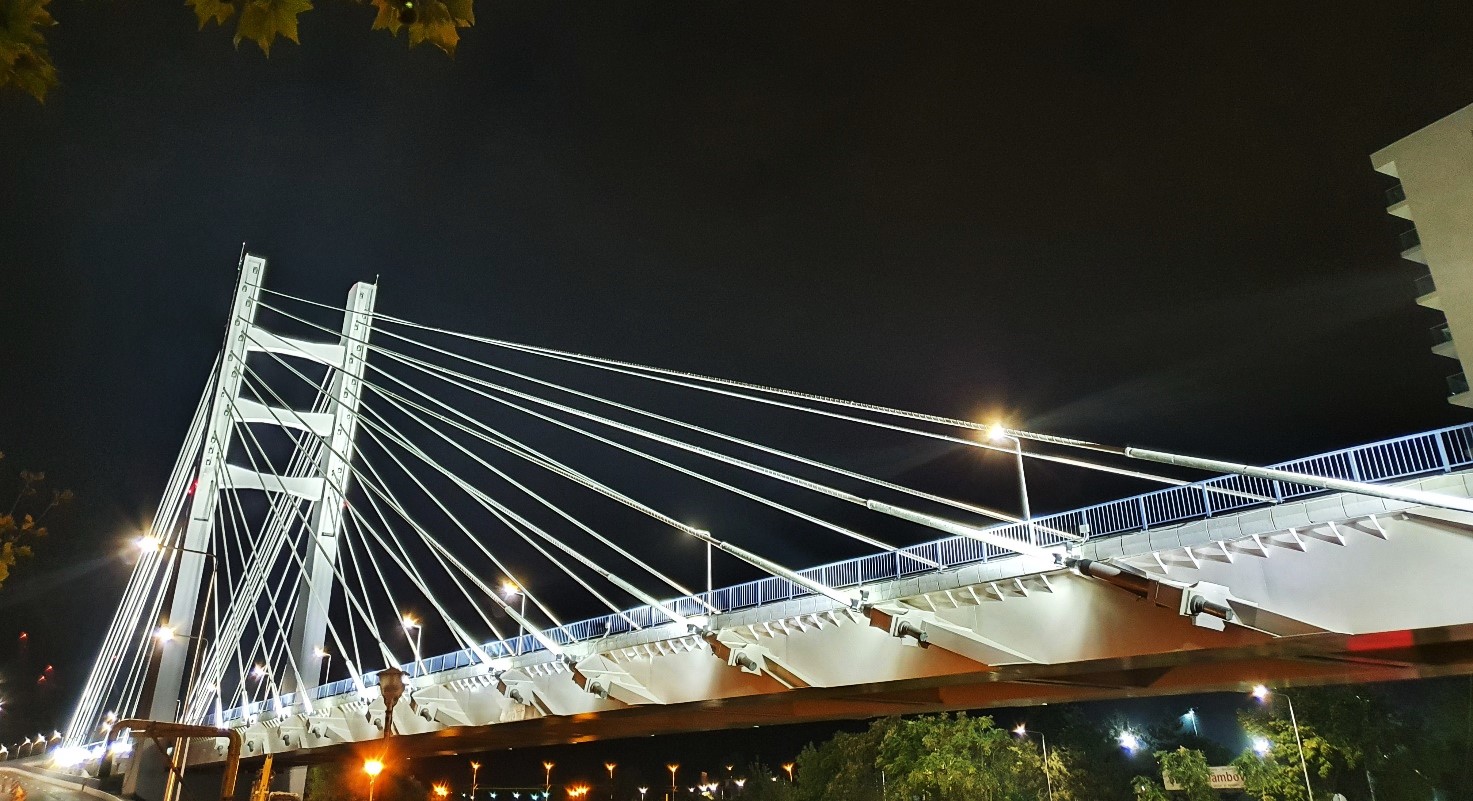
19, 529
25, 62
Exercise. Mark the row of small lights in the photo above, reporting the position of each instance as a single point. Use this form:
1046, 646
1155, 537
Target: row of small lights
374, 767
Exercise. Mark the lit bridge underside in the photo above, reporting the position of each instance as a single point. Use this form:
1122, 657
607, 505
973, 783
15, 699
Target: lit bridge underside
1335, 588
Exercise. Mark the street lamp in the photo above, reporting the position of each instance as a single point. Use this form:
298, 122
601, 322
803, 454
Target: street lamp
1191, 717
373, 767
326, 659
1000, 434
672, 767
1023, 731
788, 766
609, 766
642, 791
410, 623
1129, 741
440, 790
547, 777
1262, 745
510, 589
1262, 693
475, 770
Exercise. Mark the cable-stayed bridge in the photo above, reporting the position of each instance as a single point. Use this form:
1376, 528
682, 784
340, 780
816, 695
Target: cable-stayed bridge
353, 483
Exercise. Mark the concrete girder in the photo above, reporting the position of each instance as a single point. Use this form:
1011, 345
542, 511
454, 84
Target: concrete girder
606, 678
753, 658
926, 629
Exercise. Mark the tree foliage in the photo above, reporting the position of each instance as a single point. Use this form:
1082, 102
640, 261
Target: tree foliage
25, 63
1189, 770
25, 523
933, 757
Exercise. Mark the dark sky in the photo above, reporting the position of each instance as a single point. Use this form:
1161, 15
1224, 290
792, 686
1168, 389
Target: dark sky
1134, 222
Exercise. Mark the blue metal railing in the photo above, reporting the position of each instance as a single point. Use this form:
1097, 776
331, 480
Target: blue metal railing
1439, 451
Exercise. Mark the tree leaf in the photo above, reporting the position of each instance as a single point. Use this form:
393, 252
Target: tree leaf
261, 21
25, 62
434, 21
206, 10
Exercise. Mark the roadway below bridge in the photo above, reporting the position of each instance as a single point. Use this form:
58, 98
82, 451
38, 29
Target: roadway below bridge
40, 784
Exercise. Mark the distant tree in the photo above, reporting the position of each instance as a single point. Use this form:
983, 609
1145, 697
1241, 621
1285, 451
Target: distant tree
1188, 770
25, 522
1146, 788
338, 782
844, 766
25, 61
945, 758
765, 784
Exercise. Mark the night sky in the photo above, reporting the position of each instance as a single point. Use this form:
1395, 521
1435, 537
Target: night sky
1131, 222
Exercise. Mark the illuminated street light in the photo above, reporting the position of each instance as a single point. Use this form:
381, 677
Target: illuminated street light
672, 767
1262, 693
325, 657
511, 589
1023, 731
164, 634
1129, 741
999, 433
642, 791
1262, 745
440, 790
1191, 717
148, 544
547, 776
475, 771
788, 766
411, 624
373, 767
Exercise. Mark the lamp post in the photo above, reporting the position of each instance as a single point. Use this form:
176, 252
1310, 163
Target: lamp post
326, 659
672, 767
391, 689
1000, 434
1191, 716
609, 766
475, 770
373, 767
1023, 731
642, 791
1262, 693
179, 755
547, 776
510, 589
788, 766
410, 623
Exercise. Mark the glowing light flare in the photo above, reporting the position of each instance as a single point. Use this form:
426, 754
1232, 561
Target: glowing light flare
1129, 741
373, 767
1262, 745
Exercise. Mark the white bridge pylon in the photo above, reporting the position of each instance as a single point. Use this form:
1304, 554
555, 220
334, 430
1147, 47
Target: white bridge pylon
293, 538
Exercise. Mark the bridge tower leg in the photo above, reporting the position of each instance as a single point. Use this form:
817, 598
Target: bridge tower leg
148, 774
309, 625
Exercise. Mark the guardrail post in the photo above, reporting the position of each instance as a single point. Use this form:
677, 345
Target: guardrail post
1354, 465
1140, 504
1206, 501
1447, 465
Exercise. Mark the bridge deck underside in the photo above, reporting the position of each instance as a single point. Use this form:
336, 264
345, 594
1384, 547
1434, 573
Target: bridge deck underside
1353, 592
